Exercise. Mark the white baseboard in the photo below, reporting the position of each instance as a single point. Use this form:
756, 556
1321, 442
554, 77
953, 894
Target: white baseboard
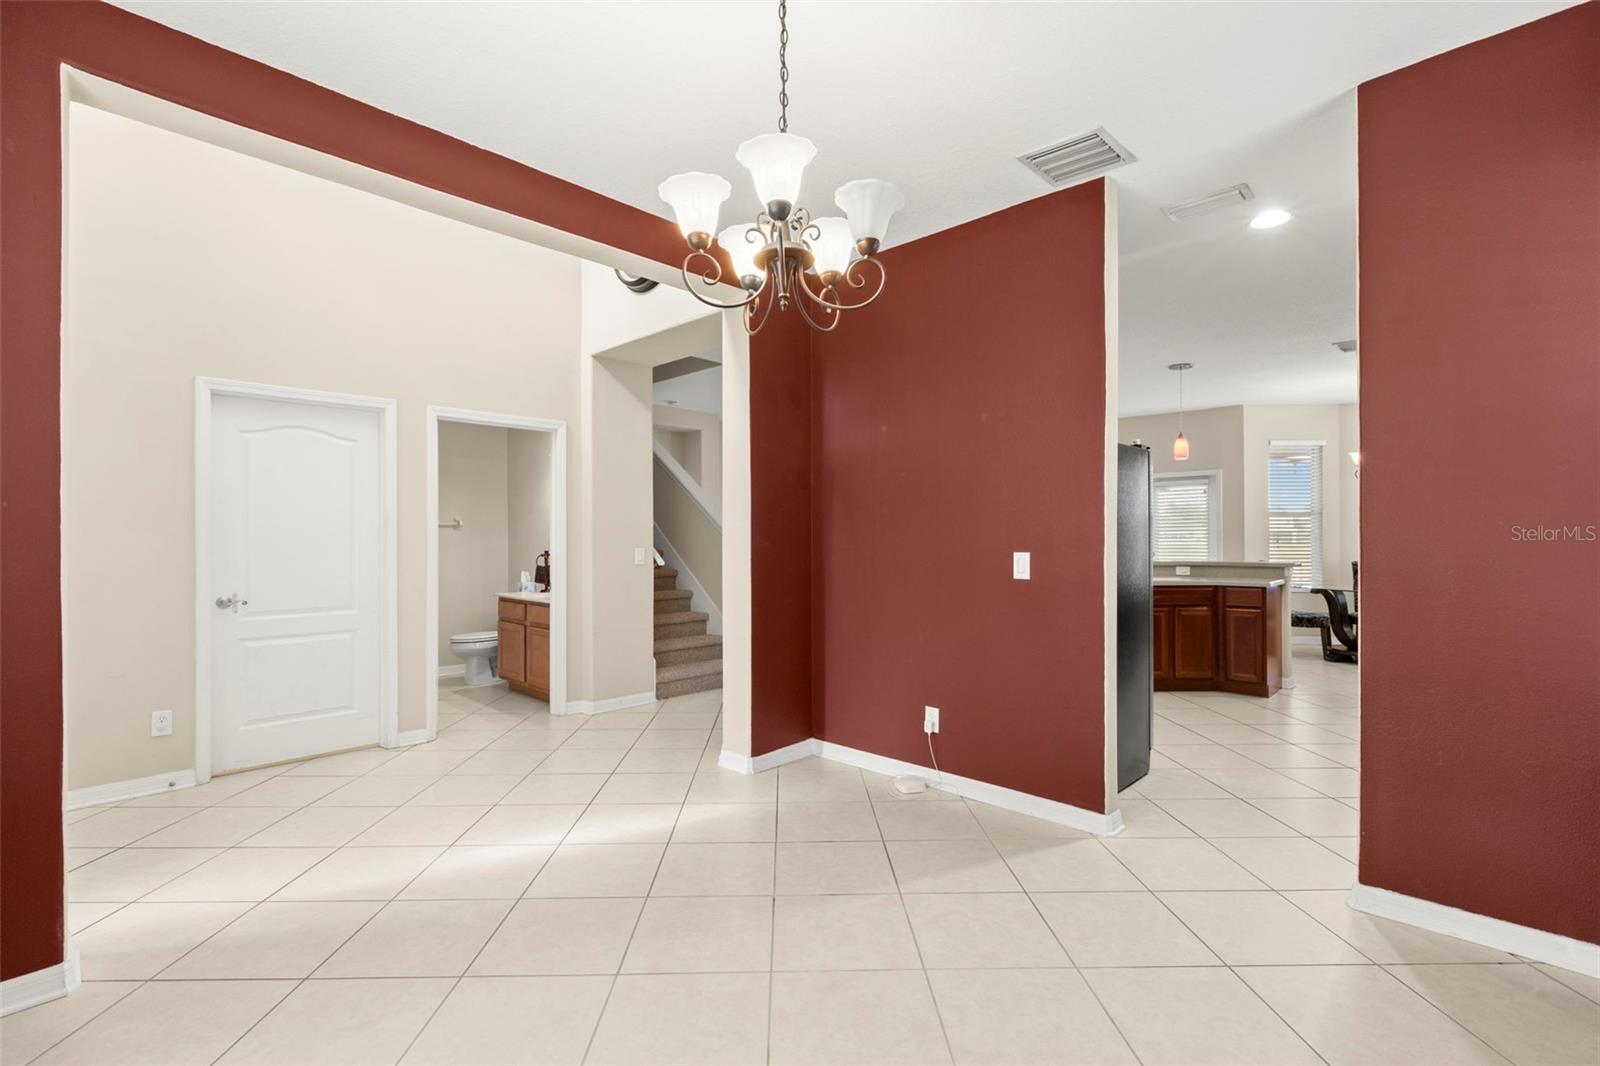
414, 736
1530, 943
41, 986
117, 791
744, 764
615, 703
994, 795
458, 670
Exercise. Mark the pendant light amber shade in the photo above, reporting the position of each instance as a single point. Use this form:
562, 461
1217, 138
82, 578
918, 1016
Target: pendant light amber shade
1180, 448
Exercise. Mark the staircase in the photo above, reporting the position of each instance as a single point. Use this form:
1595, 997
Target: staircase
688, 659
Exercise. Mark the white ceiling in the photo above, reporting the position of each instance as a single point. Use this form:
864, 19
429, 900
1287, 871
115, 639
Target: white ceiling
940, 98
700, 391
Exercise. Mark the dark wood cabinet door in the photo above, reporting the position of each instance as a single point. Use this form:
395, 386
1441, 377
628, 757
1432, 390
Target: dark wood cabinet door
1194, 643
513, 653
1161, 643
1244, 647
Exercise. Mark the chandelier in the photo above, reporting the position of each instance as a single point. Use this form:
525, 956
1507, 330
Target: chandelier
818, 265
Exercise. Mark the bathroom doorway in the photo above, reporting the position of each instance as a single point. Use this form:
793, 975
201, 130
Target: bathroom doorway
496, 557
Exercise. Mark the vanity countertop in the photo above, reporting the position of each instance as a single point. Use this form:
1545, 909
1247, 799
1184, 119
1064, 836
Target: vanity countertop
526, 597
1226, 582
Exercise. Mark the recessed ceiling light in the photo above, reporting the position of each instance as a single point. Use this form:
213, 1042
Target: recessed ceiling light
1271, 218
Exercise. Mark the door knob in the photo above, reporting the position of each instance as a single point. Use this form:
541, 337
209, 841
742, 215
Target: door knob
225, 602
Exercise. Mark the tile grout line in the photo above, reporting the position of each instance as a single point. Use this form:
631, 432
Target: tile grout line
622, 960
916, 942
1073, 963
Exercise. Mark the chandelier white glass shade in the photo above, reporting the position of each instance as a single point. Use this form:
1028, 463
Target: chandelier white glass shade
776, 162
823, 266
696, 199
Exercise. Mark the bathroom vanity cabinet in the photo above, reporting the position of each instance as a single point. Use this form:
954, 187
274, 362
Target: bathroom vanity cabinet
525, 646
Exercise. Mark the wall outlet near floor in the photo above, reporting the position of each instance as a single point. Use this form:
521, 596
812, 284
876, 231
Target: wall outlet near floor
161, 723
930, 719
1021, 565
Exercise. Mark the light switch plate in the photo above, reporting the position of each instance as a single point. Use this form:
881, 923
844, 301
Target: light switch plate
639, 556
1022, 565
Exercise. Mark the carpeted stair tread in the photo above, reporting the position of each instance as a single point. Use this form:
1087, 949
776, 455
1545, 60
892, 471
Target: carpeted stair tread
672, 618
682, 671
684, 643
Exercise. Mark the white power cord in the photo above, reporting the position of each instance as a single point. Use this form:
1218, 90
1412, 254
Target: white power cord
911, 785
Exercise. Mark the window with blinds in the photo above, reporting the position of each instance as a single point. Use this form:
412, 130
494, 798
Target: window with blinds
1294, 509
1185, 518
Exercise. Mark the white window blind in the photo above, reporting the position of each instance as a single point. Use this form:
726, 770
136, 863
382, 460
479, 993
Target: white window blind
1294, 509
1185, 518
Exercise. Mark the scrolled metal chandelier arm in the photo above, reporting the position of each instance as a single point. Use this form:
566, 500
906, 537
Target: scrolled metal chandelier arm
854, 281
753, 323
711, 281
816, 323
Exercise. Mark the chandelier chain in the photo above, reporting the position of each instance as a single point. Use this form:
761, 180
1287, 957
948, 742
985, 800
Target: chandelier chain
783, 66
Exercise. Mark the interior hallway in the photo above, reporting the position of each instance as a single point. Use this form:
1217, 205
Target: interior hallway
387, 906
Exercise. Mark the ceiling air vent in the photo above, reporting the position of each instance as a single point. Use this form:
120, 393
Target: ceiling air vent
1214, 201
1077, 160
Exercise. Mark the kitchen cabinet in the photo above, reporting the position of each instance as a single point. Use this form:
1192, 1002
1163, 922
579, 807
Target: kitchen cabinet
1222, 638
525, 646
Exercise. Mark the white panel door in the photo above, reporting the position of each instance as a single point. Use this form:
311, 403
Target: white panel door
296, 579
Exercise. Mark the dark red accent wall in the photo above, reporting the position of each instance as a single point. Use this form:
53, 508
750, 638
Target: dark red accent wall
36, 40
1480, 414
781, 574
960, 419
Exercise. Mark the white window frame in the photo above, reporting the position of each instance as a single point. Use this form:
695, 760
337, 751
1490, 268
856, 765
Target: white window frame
1213, 478
1319, 511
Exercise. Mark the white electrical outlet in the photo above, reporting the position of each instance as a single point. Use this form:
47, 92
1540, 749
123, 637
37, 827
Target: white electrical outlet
930, 719
1021, 565
161, 723
1183, 571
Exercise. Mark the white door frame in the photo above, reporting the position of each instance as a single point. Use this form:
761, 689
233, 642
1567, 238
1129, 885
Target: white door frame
558, 552
205, 391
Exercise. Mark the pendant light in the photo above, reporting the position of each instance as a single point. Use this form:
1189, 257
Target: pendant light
1180, 446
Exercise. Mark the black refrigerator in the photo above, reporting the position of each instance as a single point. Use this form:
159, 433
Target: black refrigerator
1135, 667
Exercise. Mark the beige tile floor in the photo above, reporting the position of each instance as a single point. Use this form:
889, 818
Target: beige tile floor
530, 889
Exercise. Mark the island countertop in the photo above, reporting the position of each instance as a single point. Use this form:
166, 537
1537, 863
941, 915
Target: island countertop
1225, 582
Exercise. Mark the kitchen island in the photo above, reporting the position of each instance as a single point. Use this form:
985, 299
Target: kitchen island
1221, 627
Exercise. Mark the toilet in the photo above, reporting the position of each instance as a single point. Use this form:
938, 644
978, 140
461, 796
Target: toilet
480, 652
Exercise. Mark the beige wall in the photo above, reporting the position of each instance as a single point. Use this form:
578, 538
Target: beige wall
1216, 442
528, 500
701, 436
184, 260
617, 516
692, 534
1235, 440
472, 559
682, 446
